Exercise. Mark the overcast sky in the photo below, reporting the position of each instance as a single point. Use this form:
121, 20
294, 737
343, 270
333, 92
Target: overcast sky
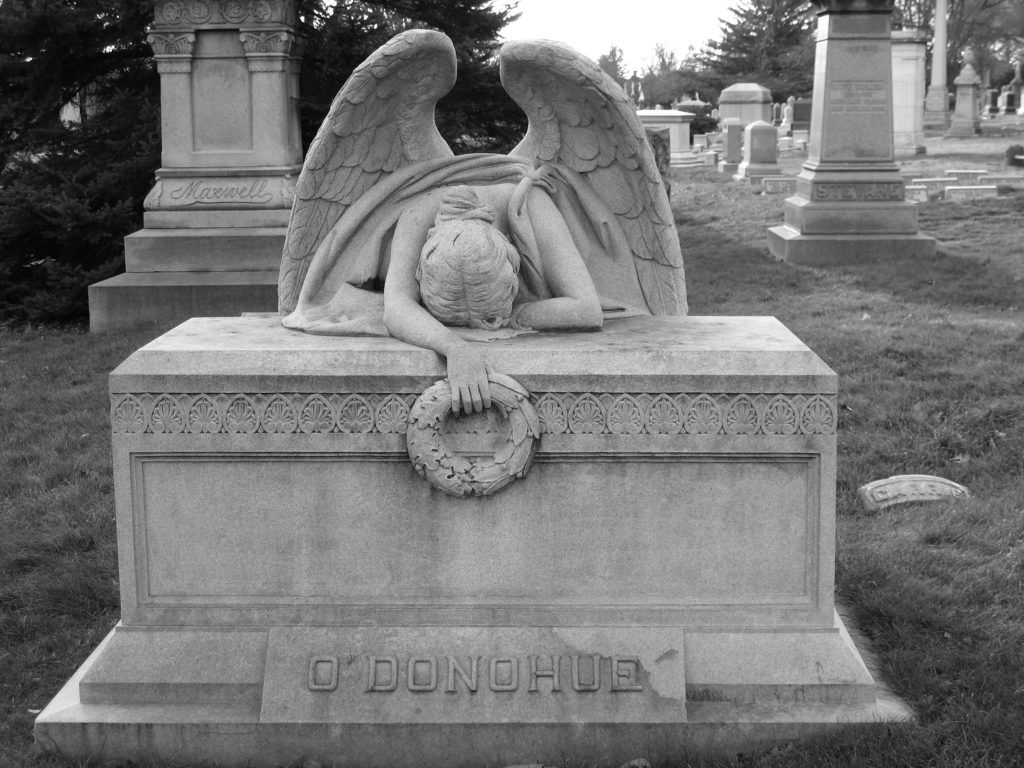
635, 26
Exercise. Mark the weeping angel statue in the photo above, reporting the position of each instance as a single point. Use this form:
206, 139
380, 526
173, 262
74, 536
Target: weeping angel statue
391, 234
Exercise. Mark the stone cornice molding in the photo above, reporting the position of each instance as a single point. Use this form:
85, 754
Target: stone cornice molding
853, 6
202, 13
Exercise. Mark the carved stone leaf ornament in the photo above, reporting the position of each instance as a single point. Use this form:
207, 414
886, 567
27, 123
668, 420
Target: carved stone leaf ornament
457, 475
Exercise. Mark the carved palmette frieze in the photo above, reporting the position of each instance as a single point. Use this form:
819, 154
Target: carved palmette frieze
203, 12
561, 413
171, 43
273, 42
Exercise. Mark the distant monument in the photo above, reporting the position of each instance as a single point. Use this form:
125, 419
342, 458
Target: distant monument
908, 91
379, 542
760, 152
936, 113
678, 123
215, 220
966, 122
747, 102
849, 204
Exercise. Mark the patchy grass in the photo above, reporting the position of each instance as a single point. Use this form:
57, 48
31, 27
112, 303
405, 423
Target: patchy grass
930, 355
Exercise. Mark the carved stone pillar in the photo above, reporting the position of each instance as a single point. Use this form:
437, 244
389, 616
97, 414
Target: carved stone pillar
937, 102
849, 204
215, 219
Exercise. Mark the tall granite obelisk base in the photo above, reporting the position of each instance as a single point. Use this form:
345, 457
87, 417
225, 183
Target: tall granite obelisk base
215, 221
849, 205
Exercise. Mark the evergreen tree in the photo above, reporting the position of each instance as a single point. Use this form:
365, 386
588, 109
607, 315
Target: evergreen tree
769, 42
612, 64
477, 115
70, 193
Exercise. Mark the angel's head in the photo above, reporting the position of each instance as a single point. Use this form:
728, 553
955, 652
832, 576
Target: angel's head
468, 270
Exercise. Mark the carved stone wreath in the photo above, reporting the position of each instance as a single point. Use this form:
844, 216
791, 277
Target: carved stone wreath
458, 475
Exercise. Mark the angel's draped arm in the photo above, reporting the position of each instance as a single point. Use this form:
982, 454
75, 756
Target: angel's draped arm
576, 304
407, 319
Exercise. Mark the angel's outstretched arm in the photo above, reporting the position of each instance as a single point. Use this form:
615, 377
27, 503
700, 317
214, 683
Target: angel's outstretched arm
576, 304
406, 319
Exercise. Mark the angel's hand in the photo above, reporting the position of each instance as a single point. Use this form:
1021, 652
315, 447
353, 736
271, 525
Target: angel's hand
467, 377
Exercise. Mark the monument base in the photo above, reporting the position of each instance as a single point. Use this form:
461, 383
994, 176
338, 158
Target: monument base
660, 582
787, 244
142, 298
255, 698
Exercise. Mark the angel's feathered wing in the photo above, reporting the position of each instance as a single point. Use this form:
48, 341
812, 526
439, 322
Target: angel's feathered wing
580, 118
381, 119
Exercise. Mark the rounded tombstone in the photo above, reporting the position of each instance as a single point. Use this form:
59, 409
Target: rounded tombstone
748, 102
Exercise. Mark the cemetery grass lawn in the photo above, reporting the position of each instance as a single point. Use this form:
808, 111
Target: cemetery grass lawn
930, 355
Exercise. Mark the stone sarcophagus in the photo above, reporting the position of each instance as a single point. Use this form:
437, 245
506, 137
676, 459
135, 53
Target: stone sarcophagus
660, 580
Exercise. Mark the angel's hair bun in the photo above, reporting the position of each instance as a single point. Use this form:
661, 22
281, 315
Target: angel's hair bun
467, 269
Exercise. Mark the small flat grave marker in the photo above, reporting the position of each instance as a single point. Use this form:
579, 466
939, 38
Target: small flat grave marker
970, 193
935, 183
904, 489
967, 177
917, 193
1016, 182
775, 185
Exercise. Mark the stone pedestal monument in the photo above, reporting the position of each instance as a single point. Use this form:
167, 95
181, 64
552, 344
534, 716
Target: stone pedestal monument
216, 218
850, 203
609, 532
678, 124
908, 91
965, 122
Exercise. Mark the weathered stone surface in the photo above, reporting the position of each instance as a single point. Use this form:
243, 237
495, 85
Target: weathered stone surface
290, 588
905, 489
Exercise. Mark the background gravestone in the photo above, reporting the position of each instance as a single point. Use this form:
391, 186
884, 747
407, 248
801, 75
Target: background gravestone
850, 202
802, 109
678, 125
908, 91
733, 149
760, 152
231, 151
748, 102
965, 123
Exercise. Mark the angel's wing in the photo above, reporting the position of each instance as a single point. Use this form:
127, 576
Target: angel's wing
580, 118
381, 119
